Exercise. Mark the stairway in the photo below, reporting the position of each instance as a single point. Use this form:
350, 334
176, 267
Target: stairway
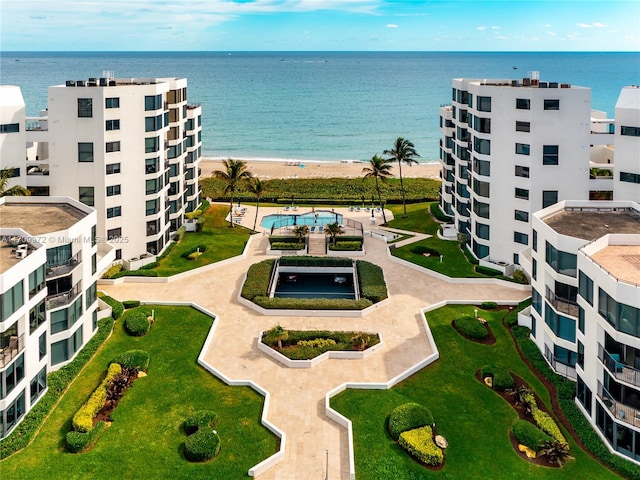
316, 244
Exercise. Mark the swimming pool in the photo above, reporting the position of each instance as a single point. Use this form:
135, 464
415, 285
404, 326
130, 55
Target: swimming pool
320, 217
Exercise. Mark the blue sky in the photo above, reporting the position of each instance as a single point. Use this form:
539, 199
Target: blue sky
228, 25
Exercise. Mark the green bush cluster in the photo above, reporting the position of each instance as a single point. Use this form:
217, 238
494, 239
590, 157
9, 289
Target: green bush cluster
136, 324
76, 442
548, 425
287, 246
423, 249
202, 445
372, 284
136, 273
117, 308
408, 416
300, 339
113, 269
309, 261
198, 248
346, 246
83, 419
471, 327
149, 266
57, 383
528, 434
502, 379
133, 360
200, 419
438, 214
283, 239
489, 305
490, 272
257, 281
130, 303
520, 277
419, 443
312, 303
317, 343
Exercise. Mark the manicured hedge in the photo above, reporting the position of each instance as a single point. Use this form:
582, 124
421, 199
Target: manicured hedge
136, 324
133, 359
113, 269
198, 248
408, 416
83, 419
471, 327
257, 281
439, 215
548, 425
502, 379
287, 246
308, 261
117, 308
528, 434
520, 277
136, 273
283, 239
202, 445
423, 249
76, 442
372, 284
131, 303
419, 443
312, 303
488, 271
200, 419
489, 305
57, 383
343, 246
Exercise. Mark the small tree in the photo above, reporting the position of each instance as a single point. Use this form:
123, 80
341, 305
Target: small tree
333, 230
403, 151
300, 231
556, 452
257, 188
380, 169
232, 174
277, 334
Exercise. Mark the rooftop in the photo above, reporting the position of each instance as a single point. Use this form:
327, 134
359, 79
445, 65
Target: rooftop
8, 256
592, 223
39, 218
621, 261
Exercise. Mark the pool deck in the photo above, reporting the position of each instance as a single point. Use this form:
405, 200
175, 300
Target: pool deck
298, 395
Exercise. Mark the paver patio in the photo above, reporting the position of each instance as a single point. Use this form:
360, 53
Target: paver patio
297, 395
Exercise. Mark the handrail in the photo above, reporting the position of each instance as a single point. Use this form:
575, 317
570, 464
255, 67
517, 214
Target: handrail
621, 411
617, 368
563, 305
63, 298
8, 353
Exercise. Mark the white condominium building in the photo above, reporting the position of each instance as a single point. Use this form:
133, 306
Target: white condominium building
627, 145
510, 148
584, 264
49, 266
130, 148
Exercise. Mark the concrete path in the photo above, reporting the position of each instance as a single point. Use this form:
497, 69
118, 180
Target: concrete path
297, 395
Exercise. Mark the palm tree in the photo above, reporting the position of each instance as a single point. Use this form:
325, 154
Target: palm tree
233, 173
277, 334
403, 151
257, 188
300, 231
333, 230
380, 169
16, 190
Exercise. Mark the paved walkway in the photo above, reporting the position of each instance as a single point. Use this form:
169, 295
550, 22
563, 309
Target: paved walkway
297, 395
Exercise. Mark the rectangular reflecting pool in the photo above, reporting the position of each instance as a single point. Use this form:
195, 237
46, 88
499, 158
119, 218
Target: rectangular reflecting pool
299, 284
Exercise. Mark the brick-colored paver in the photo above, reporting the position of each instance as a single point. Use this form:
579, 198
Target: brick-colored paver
297, 395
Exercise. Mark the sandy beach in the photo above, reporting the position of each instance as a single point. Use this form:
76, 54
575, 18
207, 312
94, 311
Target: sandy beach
281, 169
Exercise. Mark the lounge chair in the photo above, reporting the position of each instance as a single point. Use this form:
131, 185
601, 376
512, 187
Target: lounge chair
357, 209
351, 209
286, 209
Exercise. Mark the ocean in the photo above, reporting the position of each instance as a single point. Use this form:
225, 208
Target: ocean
319, 105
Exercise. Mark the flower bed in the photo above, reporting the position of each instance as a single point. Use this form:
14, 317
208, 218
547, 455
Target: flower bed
410, 424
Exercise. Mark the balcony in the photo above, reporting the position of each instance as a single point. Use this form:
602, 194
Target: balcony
617, 368
559, 367
63, 298
560, 304
62, 269
12, 350
619, 410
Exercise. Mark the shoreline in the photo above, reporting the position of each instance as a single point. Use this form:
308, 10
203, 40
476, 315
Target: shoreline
266, 169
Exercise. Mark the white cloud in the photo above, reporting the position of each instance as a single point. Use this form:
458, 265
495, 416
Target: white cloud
591, 25
495, 27
482, 27
599, 25
391, 25
583, 25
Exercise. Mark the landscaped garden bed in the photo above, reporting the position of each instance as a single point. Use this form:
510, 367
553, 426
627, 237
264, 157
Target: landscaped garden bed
474, 329
413, 427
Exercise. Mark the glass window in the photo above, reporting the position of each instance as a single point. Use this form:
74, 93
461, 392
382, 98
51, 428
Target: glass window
59, 352
480, 251
630, 131
152, 124
86, 195
580, 318
561, 326
522, 193
85, 152
59, 255
521, 216
482, 231
523, 104
536, 300
534, 268
482, 146
38, 385
113, 102
481, 189
535, 241
522, 149
93, 235
522, 238
113, 190
42, 345
151, 165
37, 316
482, 167
152, 102
94, 263
549, 197
13, 375
552, 104
629, 177
585, 287
85, 107
10, 128
113, 168
112, 147
114, 233
522, 171
565, 356
483, 104
481, 124
562, 262
114, 212
152, 206
481, 209
550, 155
523, 126
15, 411
151, 144
112, 125
36, 281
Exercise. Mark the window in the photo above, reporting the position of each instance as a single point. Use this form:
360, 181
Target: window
536, 300
522, 171
561, 326
113, 147
583, 394
85, 107
552, 104
522, 238
481, 124
482, 146
522, 149
534, 268
581, 319
153, 185
549, 197
93, 235
624, 318
585, 287
37, 316
565, 356
483, 104
85, 152
153, 227
151, 165
550, 155
114, 233
482, 231
86, 195
13, 128
65, 318
152, 206
521, 216
523, 104
91, 295
118, 253
151, 144
188, 125
481, 189
535, 241
522, 193
42, 346
629, 177
113, 102
114, 212
112, 125
562, 262
94, 263
113, 190
113, 168
480, 251
36, 281
38, 385
152, 124
630, 131
174, 170
176, 150
482, 167
523, 126
152, 102
13, 375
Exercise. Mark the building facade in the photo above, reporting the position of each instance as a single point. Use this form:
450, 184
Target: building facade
627, 145
50, 263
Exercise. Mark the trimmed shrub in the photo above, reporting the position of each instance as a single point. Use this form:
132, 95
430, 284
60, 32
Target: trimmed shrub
502, 379
520, 277
308, 261
287, 246
131, 303
548, 425
489, 305
283, 239
471, 327
408, 416
372, 284
201, 419
423, 249
137, 324
528, 434
344, 246
133, 360
78, 442
136, 273
202, 445
114, 269
150, 266
257, 281
490, 272
312, 303
419, 443
317, 343
83, 419
437, 212
197, 248
117, 308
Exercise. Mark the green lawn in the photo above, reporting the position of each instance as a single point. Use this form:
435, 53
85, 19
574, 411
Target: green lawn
418, 218
222, 242
145, 439
474, 419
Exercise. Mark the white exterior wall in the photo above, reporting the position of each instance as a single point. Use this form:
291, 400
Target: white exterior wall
12, 145
627, 150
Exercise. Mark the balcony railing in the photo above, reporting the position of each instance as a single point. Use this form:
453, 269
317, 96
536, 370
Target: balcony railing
12, 350
619, 410
562, 305
617, 368
63, 298
559, 367
63, 268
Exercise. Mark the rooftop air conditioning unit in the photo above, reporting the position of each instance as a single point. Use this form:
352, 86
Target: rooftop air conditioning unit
70, 83
526, 82
112, 83
80, 83
565, 85
543, 85
103, 82
553, 84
